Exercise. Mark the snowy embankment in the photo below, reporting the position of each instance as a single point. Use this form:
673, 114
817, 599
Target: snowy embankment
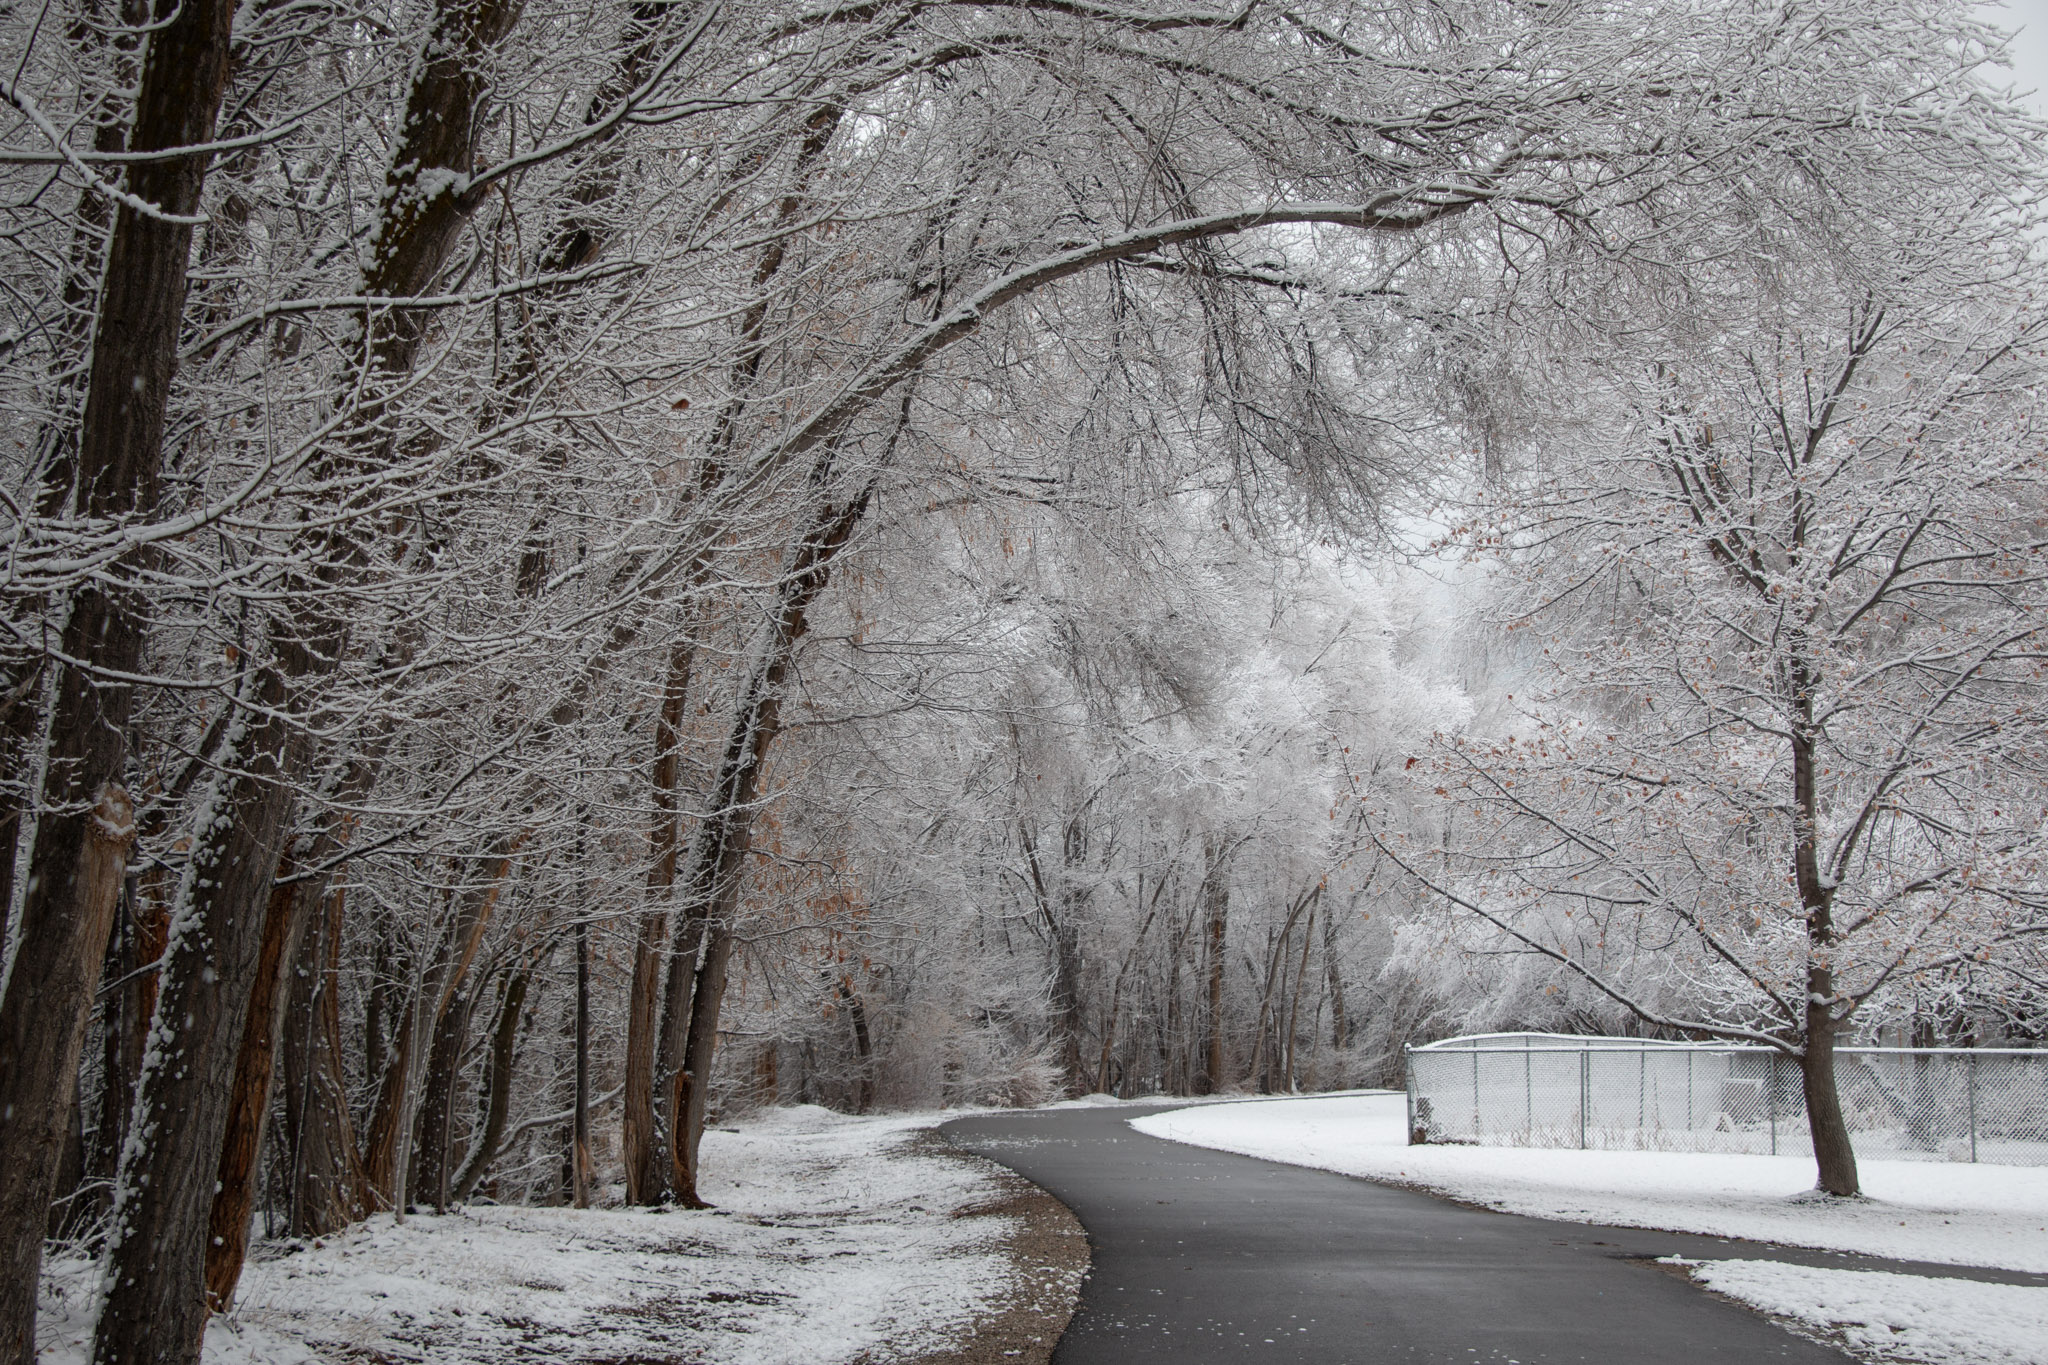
1955, 1214
834, 1239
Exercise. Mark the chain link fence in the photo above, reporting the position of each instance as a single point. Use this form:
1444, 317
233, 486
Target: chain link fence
1626, 1094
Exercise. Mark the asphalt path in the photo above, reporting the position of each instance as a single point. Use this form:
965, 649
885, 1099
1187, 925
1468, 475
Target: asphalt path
1203, 1256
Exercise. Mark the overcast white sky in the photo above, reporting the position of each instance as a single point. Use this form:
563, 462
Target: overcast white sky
2030, 50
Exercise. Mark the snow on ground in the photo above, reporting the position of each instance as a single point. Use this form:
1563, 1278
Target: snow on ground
1922, 1211
831, 1241
1958, 1214
1896, 1317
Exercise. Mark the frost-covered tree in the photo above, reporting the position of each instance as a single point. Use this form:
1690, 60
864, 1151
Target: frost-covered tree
1780, 755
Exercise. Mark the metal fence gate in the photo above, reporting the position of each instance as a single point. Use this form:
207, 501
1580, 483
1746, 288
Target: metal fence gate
1557, 1090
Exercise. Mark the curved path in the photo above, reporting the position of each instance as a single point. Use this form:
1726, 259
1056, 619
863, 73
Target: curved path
1203, 1257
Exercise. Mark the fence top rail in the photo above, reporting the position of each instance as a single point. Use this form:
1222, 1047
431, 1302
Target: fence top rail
1563, 1043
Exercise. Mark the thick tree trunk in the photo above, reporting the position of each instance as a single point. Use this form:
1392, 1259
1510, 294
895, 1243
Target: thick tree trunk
56, 455
156, 1305
646, 1166
328, 1187
693, 1082
234, 1201
379, 1159
436, 1124
42, 1030
86, 824
646, 1174
1833, 1153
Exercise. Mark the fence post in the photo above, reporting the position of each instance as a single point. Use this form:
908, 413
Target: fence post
1585, 1086
1528, 1095
1971, 1072
1771, 1095
1478, 1125
1408, 1080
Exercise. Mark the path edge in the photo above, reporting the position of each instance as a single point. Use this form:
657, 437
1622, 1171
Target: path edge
1049, 1259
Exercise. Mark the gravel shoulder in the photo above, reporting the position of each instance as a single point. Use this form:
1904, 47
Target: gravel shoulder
1049, 1261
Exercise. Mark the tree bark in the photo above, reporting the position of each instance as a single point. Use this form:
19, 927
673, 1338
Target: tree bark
328, 1187
85, 827
1833, 1153
646, 1169
379, 1158
504, 1045
53, 976
863, 1048
1066, 948
431, 1159
155, 1309
579, 1124
227, 1242
56, 455
646, 1174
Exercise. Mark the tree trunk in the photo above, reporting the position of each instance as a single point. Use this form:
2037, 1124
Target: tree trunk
863, 1048
20, 710
693, 1082
227, 1242
646, 1168
719, 848
380, 1143
156, 1304
504, 1045
387, 1148
83, 833
1216, 904
42, 1030
1308, 934
1340, 1023
1116, 992
328, 1187
56, 455
1833, 1153
1066, 946
646, 1174
579, 1123
430, 1166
